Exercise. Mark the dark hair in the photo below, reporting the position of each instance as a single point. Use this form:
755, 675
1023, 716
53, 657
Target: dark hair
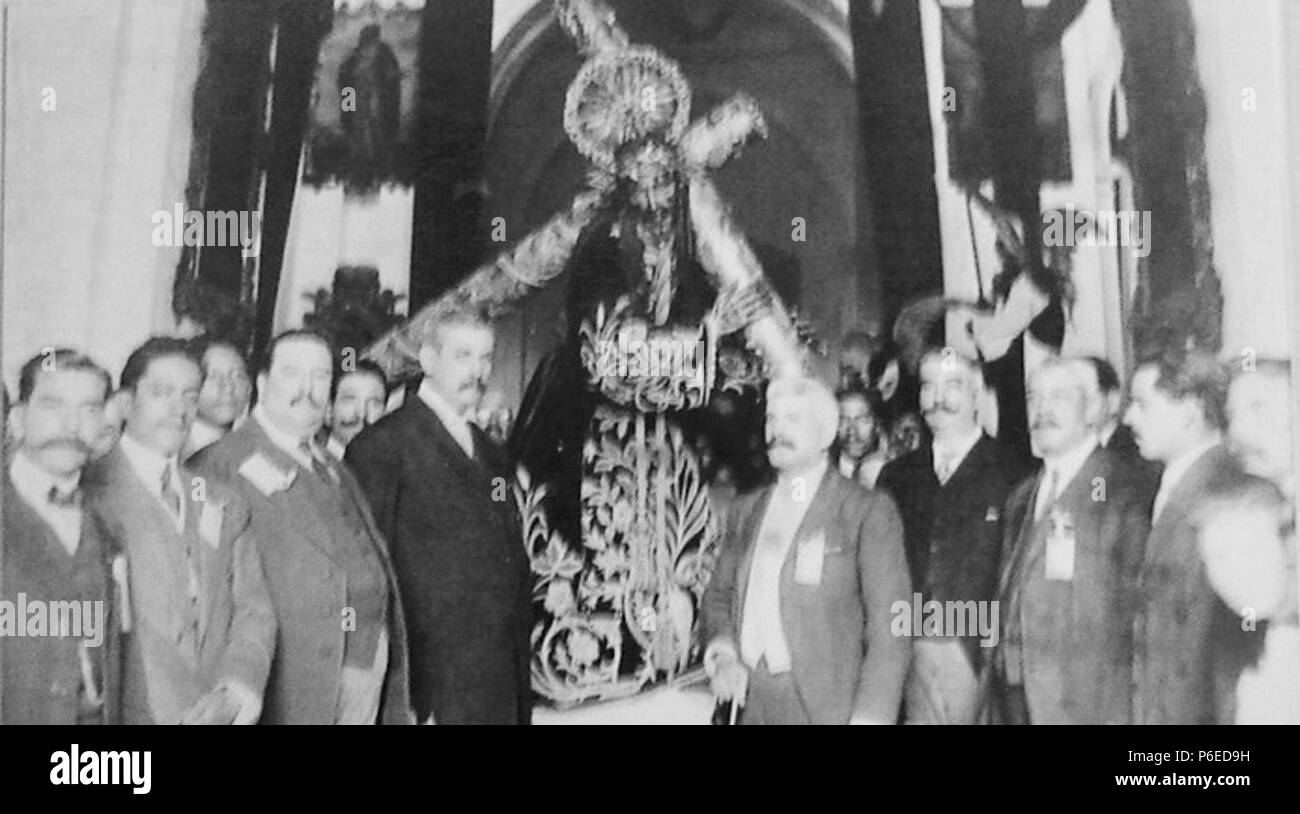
363, 366
1194, 375
200, 345
62, 359
875, 404
155, 347
295, 333
1107, 378
459, 314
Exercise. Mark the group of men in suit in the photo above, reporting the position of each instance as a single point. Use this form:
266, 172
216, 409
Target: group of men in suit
1114, 600
249, 571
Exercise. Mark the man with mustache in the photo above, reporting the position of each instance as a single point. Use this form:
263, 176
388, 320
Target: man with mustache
1072, 540
441, 492
950, 493
1178, 415
340, 656
202, 626
56, 550
798, 614
223, 400
860, 452
357, 401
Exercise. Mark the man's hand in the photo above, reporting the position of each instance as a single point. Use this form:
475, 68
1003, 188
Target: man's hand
728, 677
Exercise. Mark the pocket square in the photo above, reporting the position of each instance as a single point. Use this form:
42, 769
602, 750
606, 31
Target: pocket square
991, 516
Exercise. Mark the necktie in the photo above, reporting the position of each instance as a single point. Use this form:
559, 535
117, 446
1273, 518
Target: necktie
944, 469
170, 496
1053, 485
319, 468
65, 500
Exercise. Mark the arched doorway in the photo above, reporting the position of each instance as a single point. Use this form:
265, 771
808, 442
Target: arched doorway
793, 57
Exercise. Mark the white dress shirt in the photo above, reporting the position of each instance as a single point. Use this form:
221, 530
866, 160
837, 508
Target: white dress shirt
762, 634
1174, 472
336, 447
202, 435
1059, 470
149, 467
452, 420
33, 485
953, 454
287, 442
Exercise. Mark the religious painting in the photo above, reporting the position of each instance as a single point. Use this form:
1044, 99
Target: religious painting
363, 109
970, 146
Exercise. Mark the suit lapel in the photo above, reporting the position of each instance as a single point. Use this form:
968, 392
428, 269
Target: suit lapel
295, 499
152, 542
1035, 544
813, 518
447, 447
1022, 518
749, 533
205, 551
1177, 506
35, 540
968, 469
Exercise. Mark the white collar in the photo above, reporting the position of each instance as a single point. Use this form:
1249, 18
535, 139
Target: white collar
957, 452
283, 440
1107, 432
812, 476
148, 465
430, 396
336, 447
203, 434
1068, 463
34, 483
1175, 469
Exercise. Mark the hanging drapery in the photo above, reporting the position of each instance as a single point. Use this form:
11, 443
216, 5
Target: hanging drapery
97, 135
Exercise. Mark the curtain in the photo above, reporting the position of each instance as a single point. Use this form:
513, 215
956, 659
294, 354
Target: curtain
97, 102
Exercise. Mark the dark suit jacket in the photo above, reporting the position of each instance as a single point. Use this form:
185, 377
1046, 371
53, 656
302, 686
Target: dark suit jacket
308, 590
171, 664
1146, 474
1182, 626
42, 674
844, 655
460, 556
1073, 636
953, 532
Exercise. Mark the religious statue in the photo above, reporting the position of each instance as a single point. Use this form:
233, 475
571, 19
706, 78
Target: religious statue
616, 516
371, 123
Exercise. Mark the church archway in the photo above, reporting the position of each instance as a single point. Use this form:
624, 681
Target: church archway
793, 56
